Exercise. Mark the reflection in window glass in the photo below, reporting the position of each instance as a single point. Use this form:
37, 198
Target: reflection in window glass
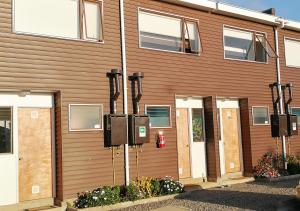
92, 25
160, 32
85, 117
197, 121
5, 130
296, 111
159, 116
260, 115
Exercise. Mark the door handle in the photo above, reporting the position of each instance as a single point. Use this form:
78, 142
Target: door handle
20, 158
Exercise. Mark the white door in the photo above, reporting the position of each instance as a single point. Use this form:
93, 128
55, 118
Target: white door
9, 149
196, 134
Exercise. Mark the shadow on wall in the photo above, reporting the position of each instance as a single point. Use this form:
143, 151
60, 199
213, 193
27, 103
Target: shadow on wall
241, 199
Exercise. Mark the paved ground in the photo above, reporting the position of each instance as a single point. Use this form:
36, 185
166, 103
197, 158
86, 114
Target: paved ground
250, 196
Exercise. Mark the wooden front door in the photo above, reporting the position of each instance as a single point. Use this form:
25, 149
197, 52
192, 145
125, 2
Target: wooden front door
231, 138
35, 160
182, 122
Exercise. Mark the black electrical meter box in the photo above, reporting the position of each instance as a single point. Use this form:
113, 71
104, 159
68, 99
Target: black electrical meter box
138, 129
115, 130
279, 125
292, 124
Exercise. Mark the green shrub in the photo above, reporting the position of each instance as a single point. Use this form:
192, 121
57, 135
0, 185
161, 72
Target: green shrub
293, 165
169, 186
155, 187
142, 188
98, 197
132, 192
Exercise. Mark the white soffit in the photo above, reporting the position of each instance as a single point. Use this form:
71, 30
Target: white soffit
235, 11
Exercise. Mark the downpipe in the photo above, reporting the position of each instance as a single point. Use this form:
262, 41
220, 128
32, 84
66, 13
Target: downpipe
125, 97
281, 103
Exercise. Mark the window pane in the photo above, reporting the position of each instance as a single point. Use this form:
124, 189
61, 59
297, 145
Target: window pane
238, 44
197, 121
92, 21
292, 50
192, 38
85, 117
47, 17
5, 130
160, 32
260, 54
159, 116
260, 115
296, 111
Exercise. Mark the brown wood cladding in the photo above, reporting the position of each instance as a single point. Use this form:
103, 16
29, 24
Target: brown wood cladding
77, 70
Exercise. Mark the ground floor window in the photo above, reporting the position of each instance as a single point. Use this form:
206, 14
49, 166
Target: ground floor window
296, 111
159, 116
5, 130
85, 117
260, 115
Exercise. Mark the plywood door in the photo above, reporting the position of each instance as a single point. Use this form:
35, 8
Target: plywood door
35, 163
182, 122
231, 138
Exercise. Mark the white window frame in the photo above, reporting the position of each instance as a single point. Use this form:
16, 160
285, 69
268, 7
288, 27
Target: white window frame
245, 30
86, 130
268, 110
170, 15
292, 39
59, 37
11, 132
295, 114
165, 106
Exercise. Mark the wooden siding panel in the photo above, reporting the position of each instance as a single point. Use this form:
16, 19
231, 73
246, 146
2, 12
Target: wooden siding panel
76, 70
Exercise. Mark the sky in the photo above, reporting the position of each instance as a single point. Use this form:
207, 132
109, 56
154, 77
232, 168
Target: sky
289, 9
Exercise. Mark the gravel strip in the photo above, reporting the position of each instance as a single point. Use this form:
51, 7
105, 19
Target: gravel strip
247, 196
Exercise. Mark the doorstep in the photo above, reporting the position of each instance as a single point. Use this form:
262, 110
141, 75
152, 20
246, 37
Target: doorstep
47, 202
198, 184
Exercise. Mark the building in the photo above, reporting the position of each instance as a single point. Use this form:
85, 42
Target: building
207, 70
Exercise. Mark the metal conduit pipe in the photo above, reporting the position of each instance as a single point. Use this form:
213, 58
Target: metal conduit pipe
125, 97
278, 72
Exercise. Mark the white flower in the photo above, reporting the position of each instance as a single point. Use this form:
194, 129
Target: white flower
95, 198
102, 192
105, 198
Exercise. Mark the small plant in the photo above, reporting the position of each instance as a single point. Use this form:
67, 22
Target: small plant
155, 187
145, 186
132, 192
267, 166
293, 165
169, 186
98, 197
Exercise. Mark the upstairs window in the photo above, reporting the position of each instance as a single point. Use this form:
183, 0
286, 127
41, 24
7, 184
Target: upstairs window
292, 50
245, 45
168, 33
71, 19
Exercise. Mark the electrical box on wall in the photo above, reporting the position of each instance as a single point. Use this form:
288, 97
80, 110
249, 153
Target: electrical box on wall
279, 125
115, 130
292, 125
138, 129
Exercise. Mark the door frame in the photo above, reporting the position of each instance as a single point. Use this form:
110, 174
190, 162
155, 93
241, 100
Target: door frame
190, 102
17, 100
228, 103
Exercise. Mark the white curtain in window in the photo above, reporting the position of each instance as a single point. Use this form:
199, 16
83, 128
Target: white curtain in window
47, 17
157, 24
292, 51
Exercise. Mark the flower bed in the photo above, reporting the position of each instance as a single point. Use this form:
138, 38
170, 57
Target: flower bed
140, 189
271, 166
